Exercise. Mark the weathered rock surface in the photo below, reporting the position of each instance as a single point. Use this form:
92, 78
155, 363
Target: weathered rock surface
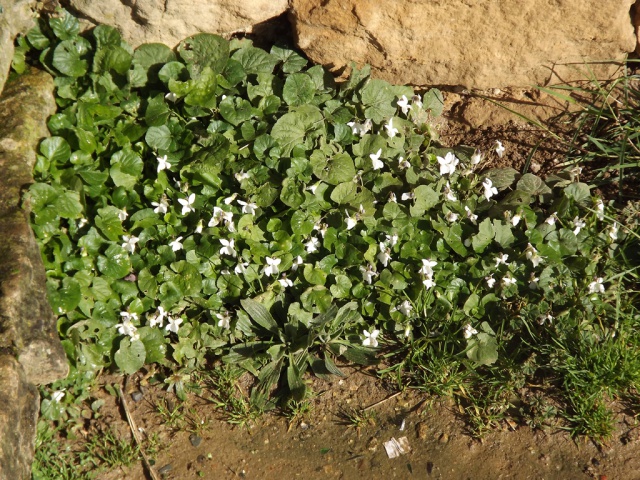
170, 21
477, 44
30, 349
16, 16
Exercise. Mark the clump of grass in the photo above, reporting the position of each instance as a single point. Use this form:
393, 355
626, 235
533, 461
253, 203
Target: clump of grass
232, 402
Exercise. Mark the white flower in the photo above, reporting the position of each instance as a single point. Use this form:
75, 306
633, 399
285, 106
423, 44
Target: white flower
57, 395
468, 331
402, 163
392, 239
391, 131
476, 158
403, 103
220, 215
427, 266
375, 160
224, 320
508, 280
449, 194
370, 339
385, 254
176, 244
502, 259
241, 267
173, 325
127, 327
313, 188
596, 286
532, 254
187, 204
499, 148
392, 198
470, 215
351, 222
600, 209
533, 281
163, 163
296, 263
229, 200
271, 268
408, 196
428, 282
248, 207
545, 318
490, 281
157, 318
368, 273
405, 308
417, 101
489, 189
321, 228
241, 175
129, 243
551, 220
199, 226
162, 207
122, 214
448, 163
451, 217
312, 245
172, 97
515, 220
613, 231
82, 222
228, 248
285, 282
579, 224
361, 128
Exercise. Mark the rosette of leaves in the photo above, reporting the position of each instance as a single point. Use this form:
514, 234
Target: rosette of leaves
280, 351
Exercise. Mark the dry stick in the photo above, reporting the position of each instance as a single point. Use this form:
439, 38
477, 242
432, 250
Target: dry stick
381, 401
134, 431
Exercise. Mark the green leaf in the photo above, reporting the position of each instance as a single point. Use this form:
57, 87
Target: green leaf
298, 89
482, 348
260, 315
255, 60
65, 26
379, 100
204, 50
148, 60
532, 184
333, 170
235, 110
314, 276
304, 124
579, 192
67, 58
292, 61
342, 287
433, 102
291, 194
157, 112
188, 279
345, 193
316, 299
296, 383
126, 168
202, 92
302, 223
37, 39
502, 233
484, 236
425, 198
502, 177
115, 262
158, 138
65, 298
130, 356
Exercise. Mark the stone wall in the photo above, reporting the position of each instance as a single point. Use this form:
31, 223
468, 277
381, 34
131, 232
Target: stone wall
30, 350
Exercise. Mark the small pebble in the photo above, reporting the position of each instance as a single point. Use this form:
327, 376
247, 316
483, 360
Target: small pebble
444, 438
422, 430
166, 469
195, 439
201, 459
136, 396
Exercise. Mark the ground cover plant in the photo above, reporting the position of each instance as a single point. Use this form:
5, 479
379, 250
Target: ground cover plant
224, 202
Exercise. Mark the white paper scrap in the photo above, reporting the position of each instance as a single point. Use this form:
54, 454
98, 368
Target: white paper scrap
398, 447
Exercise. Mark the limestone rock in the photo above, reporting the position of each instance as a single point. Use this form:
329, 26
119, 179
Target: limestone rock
477, 44
26, 321
18, 418
16, 17
170, 21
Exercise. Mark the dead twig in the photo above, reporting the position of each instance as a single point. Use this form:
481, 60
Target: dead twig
381, 401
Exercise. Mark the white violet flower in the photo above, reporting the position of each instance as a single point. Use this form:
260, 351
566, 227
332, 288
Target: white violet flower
57, 396
451, 217
489, 189
502, 259
371, 338
427, 266
122, 214
532, 254
600, 209
448, 163
449, 194
157, 318
508, 280
224, 320
596, 286
579, 224
403, 164
248, 207
408, 196
476, 158
129, 243
285, 282
173, 325
515, 220
312, 245
490, 281
172, 97
468, 331
296, 263
405, 308
187, 203
375, 160
368, 273
199, 226
176, 244
470, 215
271, 268
403, 103
551, 220
499, 148
391, 131
161, 207
163, 163
613, 231
241, 267
392, 239
241, 175
385, 254
228, 248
